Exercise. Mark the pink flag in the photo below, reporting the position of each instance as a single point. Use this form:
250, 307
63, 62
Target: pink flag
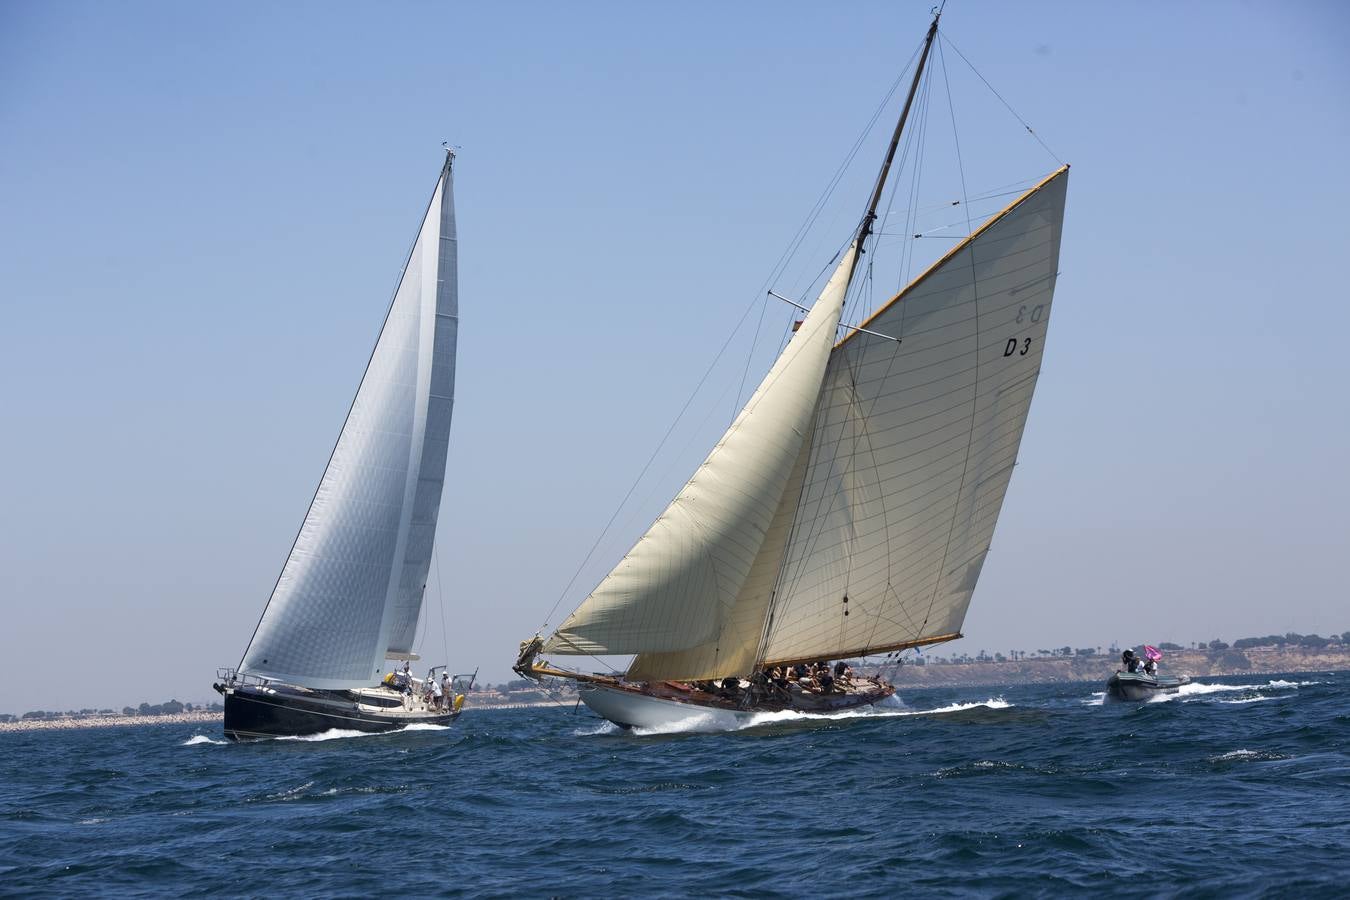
1152, 653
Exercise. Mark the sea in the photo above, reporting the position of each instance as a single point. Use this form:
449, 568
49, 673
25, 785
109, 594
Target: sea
1235, 787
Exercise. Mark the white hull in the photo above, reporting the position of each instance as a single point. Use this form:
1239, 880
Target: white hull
633, 710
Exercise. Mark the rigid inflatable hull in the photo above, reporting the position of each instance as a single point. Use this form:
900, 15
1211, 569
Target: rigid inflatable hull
1125, 686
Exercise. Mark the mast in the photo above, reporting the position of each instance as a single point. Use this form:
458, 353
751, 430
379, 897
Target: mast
864, 231
865, 227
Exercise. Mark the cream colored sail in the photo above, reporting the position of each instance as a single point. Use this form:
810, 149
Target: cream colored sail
914, 445
732, 648
683, 581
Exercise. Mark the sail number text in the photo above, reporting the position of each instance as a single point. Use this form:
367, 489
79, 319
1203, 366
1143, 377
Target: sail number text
1032, 314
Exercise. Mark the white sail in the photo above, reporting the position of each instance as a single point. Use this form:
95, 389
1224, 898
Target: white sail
682, 580
914, 445
439, 335
352, 585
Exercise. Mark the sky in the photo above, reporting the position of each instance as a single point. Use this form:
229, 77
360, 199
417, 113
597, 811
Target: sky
204, 208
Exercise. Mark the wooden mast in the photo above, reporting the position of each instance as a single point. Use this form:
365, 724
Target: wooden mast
865, 228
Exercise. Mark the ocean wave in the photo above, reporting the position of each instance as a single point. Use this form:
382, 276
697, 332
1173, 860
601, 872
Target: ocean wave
198, 739
1196, 689
332, 734
719, 721
1248, 756
335, 734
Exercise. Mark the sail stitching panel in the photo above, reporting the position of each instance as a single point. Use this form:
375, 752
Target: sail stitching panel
998, 404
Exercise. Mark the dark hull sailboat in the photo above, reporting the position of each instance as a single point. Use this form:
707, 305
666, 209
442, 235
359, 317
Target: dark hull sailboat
258, 711
350, 595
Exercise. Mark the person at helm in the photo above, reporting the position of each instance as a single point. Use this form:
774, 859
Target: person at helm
1131, 661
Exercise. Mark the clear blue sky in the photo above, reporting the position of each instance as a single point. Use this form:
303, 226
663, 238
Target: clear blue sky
203, 209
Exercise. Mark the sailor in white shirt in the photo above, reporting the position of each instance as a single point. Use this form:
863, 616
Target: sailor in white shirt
435, 692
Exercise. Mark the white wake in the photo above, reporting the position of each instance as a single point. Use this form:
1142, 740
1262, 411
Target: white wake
1198, 689
715, 721
338, 734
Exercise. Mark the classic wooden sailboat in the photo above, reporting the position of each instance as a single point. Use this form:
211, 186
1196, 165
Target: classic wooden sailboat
350, 595
848, 509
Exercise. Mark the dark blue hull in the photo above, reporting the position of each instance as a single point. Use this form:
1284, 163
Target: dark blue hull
255, 713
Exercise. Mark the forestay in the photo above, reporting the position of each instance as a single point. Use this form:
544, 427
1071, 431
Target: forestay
914, 445
689, 576
352, 586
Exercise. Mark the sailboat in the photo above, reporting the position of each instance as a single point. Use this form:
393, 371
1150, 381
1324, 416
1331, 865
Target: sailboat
848, 509
350, 594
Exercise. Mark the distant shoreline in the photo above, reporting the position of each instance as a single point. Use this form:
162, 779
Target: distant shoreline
64, 723
1059, 669
194, 717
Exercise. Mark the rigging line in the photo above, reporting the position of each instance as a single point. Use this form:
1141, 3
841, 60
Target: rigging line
862, 297
975, 392
687, 403
800, 236
916, 178
857, 145
1053, 155
440, 599
750, 355
1005, 190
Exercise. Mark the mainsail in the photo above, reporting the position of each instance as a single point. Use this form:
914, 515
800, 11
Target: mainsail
914, 445
351, 589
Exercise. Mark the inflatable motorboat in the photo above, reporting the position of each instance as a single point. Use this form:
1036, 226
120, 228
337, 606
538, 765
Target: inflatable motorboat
1140, 686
